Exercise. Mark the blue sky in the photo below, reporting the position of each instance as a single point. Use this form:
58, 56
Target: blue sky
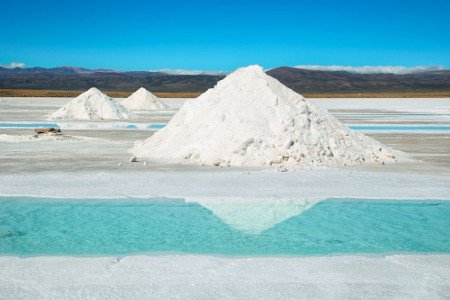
223, 35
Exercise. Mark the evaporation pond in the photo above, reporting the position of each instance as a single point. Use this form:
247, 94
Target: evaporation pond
28, 125
41, 226
399, 128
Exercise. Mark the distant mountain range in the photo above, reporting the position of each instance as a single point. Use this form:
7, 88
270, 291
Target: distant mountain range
312, 81
300, 80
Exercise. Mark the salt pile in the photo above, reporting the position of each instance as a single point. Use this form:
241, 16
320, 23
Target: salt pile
251, 119
144, 100
92, 104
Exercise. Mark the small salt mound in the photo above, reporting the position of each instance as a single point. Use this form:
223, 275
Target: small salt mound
144, 100
90, 105
251, 119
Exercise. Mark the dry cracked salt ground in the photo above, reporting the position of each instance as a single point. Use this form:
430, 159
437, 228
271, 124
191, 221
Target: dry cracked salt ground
250, 119
91, 105
144, 100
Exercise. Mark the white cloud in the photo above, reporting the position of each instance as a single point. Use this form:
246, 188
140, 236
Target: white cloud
190, 72
14, 65
374, 69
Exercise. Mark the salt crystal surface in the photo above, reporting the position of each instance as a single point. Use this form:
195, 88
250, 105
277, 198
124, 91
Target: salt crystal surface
208, 277
251, 119
90, 105
144, 100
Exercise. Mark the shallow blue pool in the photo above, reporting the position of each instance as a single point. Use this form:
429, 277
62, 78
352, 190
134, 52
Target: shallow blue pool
84, 126
37, 226
156, 126
28, 125
398, 128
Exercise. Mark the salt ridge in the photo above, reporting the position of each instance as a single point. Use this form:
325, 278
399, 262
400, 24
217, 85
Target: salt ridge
91, 105
251, 119
142, 99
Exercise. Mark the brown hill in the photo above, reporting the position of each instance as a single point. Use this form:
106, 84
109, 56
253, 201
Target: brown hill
300, 80
311, 81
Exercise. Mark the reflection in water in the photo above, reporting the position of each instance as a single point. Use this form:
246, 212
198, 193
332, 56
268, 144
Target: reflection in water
230, 226
254, 215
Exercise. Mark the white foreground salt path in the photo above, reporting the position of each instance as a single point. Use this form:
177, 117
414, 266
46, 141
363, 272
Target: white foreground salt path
226, 183
251, 119
142, 99
209, 277
91, 105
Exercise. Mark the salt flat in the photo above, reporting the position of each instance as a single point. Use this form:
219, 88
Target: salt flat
314, 184
431, 149
100, 167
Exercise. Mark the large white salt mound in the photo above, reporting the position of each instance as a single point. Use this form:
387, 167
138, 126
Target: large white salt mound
90, 105
144, 100
251, 119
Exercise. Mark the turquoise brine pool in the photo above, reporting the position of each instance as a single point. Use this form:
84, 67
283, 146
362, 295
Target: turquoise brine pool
28, 125
148, 126
39, 226
156, 126
399, 128
83, 126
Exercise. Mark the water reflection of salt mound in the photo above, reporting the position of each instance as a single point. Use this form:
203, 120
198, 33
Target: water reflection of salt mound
256, 215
